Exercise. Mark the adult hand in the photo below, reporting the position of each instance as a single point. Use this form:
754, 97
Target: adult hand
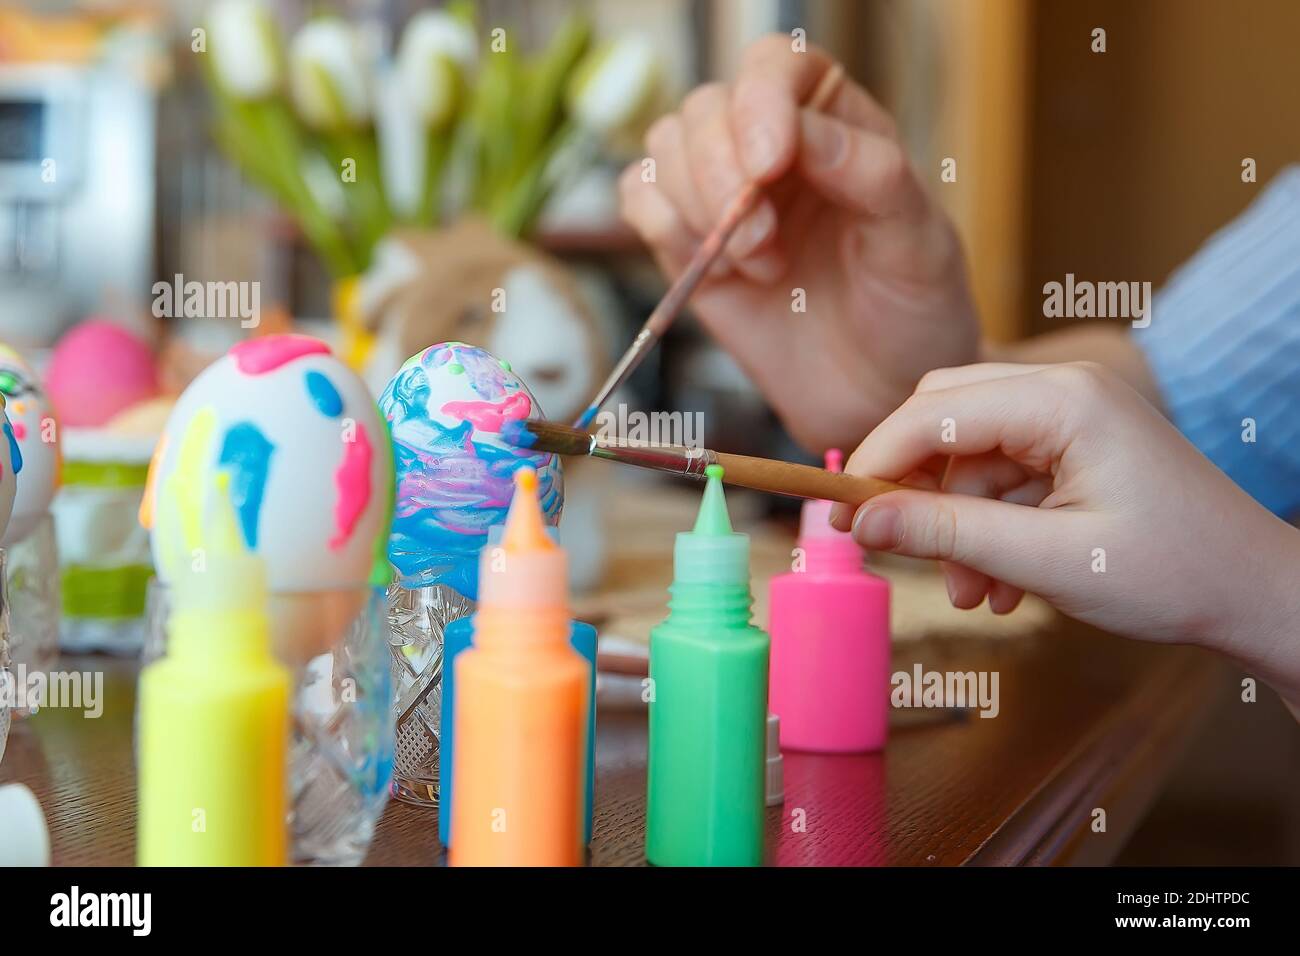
845, 229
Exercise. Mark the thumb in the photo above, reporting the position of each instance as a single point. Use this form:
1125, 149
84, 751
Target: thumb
1009, 542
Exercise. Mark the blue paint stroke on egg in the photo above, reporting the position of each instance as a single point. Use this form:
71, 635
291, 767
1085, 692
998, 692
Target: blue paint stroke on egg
516, 433
324, 395
247, 453
15, 453
454, 481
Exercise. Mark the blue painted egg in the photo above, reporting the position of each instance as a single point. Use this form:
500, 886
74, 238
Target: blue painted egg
446, 408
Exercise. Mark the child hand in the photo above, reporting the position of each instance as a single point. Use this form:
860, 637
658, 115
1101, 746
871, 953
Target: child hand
1062, 481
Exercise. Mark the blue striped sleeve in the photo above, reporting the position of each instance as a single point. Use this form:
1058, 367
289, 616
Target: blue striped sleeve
1224, 346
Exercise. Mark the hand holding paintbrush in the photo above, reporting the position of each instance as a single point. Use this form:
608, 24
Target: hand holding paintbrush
675, 299
760, 474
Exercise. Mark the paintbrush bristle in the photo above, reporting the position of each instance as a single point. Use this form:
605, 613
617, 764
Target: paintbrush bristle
547, 436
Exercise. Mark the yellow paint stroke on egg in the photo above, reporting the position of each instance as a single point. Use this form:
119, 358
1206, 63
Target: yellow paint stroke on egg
185, 485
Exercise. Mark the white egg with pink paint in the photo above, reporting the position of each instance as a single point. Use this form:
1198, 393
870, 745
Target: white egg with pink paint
308, 458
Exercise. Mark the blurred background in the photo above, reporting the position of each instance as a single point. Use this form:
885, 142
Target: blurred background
132, 154
1071, 162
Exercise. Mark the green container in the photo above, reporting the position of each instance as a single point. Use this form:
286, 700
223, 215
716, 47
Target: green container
103, 551
708, 714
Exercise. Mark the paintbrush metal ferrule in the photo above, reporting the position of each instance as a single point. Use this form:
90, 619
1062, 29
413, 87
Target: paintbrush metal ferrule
675, 459
560, 439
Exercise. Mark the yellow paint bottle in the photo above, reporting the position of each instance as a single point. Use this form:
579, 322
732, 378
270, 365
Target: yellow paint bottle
214, 713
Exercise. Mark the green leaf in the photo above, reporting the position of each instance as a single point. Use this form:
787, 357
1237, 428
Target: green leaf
544, 97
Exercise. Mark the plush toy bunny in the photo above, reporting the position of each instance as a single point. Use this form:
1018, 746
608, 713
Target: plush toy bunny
469, 283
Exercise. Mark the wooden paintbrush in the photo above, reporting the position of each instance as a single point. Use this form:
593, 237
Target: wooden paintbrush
710, 248
761, 474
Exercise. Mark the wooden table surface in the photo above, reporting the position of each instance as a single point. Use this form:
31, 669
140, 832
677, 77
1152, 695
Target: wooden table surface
1087, 721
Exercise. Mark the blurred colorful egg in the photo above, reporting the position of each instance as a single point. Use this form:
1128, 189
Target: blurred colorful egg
309, 459
32, 438
11, 464
146, 419
445, 409
97, 370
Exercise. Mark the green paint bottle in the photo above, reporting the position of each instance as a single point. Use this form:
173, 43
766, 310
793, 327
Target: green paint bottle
708, 712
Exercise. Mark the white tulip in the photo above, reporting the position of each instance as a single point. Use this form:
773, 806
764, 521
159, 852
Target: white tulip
328, 77
243, 41
614, 84
436, 51
403, 144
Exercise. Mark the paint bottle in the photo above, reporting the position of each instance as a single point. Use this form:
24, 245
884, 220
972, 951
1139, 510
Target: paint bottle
457, 637
214, 717
708, 710
522, 696
830, 641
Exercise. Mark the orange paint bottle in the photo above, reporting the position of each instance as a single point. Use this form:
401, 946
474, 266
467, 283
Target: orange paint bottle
521, 706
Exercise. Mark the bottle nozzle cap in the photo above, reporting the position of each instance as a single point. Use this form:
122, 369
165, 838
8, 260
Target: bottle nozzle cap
713, 518
230, 577
817, 535
525, 528
219, 595
712, 552
526, 569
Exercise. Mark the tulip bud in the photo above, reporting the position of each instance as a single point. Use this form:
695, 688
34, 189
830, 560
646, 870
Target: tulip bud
436, 52
244, 43
328, 76
614, 85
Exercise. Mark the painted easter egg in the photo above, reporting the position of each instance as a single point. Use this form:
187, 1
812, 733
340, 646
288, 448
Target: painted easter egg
33, 430
11, 463
446, 408
98, 370
310, 463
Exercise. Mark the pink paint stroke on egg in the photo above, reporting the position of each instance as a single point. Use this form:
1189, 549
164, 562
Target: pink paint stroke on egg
353, 483
490, 416
268, 353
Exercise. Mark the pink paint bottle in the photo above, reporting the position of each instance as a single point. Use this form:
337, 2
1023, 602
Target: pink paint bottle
830, 641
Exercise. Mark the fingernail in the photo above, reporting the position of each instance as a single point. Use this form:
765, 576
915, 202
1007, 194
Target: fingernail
760, 149
841, 517
824, 142
753, 232
764, 268
952, 590
878, 527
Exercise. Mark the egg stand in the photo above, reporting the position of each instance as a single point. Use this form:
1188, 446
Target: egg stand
418, 618
436, 405
6, 679
32, 602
